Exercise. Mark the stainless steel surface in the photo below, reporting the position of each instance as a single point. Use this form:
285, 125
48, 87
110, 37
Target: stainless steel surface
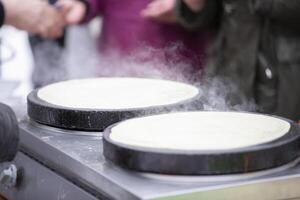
8, 176
36, 182
79, 158
64, 131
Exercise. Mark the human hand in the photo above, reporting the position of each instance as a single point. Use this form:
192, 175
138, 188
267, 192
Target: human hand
73, 11
160, 10
34, 16
195, 5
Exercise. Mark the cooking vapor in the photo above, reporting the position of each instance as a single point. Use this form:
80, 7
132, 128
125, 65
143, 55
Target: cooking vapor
80, 162
81, 59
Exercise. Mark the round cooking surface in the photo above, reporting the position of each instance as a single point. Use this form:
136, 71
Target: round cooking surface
202, 143
116, 93
199, 131
94, 104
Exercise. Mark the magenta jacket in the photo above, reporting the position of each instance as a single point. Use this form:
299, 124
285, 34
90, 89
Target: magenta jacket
125, 31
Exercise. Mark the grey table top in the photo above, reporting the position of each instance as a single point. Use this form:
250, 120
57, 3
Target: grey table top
78, 156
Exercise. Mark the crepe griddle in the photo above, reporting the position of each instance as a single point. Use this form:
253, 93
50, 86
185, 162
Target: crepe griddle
218, 162
95, 119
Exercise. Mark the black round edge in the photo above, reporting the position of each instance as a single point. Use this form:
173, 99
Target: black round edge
243, 160
94, 119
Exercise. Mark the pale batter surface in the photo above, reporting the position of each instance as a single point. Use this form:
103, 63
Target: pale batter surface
116, 93
199, 130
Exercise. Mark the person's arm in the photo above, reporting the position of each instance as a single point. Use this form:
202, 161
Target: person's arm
160, 11
94, 8
197, 16
191, 14
9, 134
34, 16
286, 12
80, 11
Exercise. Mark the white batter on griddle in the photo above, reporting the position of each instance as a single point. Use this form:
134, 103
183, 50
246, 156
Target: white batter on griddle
116, 93
199, 130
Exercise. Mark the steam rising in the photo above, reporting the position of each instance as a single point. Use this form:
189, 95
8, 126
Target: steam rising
219, 94
82, 60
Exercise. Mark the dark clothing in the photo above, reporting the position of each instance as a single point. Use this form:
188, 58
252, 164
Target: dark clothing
48, 59
257, 48
2, 14
124, 32
9, 134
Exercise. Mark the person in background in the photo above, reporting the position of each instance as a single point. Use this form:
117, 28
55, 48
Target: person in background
128, 32
43, 21
256, 48
25, 15
48, 55
34, 16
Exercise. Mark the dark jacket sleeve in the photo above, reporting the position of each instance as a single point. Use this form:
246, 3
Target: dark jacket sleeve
9, 134
94, 8
208, 17
2, 14
283, 11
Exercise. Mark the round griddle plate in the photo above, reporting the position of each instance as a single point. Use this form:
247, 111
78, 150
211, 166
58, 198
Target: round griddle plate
94, 119
238, 160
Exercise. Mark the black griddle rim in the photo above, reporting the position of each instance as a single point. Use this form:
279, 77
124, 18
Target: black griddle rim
95, 119
290, 142
291, 135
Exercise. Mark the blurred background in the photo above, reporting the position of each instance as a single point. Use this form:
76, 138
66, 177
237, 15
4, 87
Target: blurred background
18, 63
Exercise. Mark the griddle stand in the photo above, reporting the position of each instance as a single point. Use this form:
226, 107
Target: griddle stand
69, 165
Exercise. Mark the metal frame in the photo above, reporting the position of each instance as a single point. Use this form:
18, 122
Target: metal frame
78, 159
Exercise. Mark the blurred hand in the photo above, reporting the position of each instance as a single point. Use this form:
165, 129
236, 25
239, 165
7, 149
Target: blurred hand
34, 16
160, 10
195, 5
73, 11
